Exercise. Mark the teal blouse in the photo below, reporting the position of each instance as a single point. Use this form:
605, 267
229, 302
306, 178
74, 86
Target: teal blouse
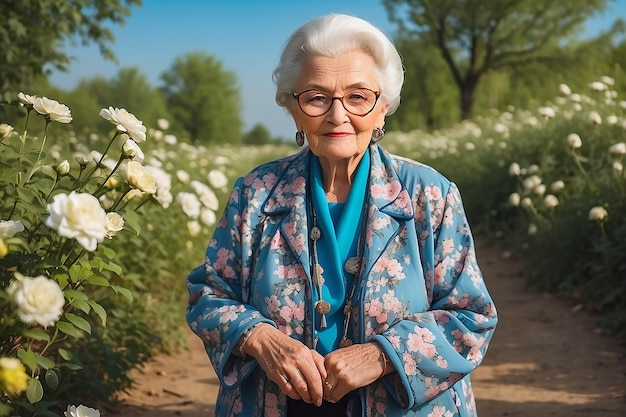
340, 224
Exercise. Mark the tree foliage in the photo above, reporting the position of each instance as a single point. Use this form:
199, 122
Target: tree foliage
258, 135
203, 98
32, 33
475, 37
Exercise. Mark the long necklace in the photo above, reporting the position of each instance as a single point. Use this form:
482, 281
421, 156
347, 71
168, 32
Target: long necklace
352, 266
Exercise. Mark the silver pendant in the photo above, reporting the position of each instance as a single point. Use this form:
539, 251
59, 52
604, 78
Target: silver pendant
315, 234
353, 266
322, 307
345, 343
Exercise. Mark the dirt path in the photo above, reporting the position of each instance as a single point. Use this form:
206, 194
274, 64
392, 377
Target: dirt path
546, 360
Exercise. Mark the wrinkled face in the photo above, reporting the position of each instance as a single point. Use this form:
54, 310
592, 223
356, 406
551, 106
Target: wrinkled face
338, 134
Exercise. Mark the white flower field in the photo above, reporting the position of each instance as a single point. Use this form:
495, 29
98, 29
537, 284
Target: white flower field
98, 231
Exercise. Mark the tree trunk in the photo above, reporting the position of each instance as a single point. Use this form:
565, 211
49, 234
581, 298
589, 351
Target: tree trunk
467, 101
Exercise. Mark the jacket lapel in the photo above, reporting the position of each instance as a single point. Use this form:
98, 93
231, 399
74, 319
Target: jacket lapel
390, 204
286, 204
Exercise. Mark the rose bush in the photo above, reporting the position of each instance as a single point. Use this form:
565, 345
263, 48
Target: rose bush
88, 224
549, 182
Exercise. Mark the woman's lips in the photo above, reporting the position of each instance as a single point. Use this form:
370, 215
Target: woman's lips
337, 134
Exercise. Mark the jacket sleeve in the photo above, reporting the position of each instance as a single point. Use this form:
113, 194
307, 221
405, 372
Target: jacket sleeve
217, 311
434, 349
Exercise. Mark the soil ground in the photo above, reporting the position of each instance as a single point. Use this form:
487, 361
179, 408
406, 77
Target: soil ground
546, 359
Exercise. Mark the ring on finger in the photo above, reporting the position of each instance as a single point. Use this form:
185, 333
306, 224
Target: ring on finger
329, 386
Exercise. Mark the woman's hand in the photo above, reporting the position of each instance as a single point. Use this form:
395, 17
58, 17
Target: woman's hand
298, 370
352, 367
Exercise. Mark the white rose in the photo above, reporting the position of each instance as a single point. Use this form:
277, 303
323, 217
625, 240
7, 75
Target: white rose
597, 86
547, 112
183, 176
514, 199
618, 148
527, 203
207, 216
514, 169
170, 139
39, 299
63, 167
217, 178
56, 111
595, 118
557, 186
163, 181
125, 122
190, 203
540, 189
9, 228
115, 223
205, 194
81, 411
531, 182
550, 201
78, 216
163, 124
574, 141
25, 99
5, 130
194, 227
138, 177
598, 213
133, 151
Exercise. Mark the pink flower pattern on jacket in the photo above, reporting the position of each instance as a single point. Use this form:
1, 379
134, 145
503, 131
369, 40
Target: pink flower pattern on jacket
421, 295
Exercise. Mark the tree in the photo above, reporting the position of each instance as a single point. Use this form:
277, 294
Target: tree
203, 98
258, 135
475, 37
129, 89
428, 94
32, 33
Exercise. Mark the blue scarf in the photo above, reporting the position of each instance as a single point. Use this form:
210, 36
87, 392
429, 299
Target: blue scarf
340, 224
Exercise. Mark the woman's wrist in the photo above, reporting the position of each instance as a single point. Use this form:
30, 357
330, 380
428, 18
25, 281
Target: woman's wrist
244, 339
383, 360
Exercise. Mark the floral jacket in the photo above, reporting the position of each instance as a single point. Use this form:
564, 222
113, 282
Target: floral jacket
421, 294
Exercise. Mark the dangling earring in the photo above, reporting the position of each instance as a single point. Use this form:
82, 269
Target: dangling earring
377, 135
300, 137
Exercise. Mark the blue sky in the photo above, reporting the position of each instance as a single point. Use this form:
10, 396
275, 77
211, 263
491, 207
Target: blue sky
246, 36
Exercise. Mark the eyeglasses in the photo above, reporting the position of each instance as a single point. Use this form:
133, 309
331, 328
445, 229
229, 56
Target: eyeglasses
358, 102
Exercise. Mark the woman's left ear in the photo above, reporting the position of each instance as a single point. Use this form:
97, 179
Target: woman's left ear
380, 121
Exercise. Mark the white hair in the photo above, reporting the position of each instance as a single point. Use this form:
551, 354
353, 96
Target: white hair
331, 36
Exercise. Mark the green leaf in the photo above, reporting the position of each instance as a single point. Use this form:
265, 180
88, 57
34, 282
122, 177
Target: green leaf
52, 378
68, 328
6, 410
131, 221
82, 305
36, 334
75, 295
80, 271
64, 354
113, 267
99, 310
108, 252
124, 291
34, 392
79, 322
44, 362
100, 281
28, 358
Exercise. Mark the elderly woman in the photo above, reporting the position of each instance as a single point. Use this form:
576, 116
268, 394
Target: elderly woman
342, 280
